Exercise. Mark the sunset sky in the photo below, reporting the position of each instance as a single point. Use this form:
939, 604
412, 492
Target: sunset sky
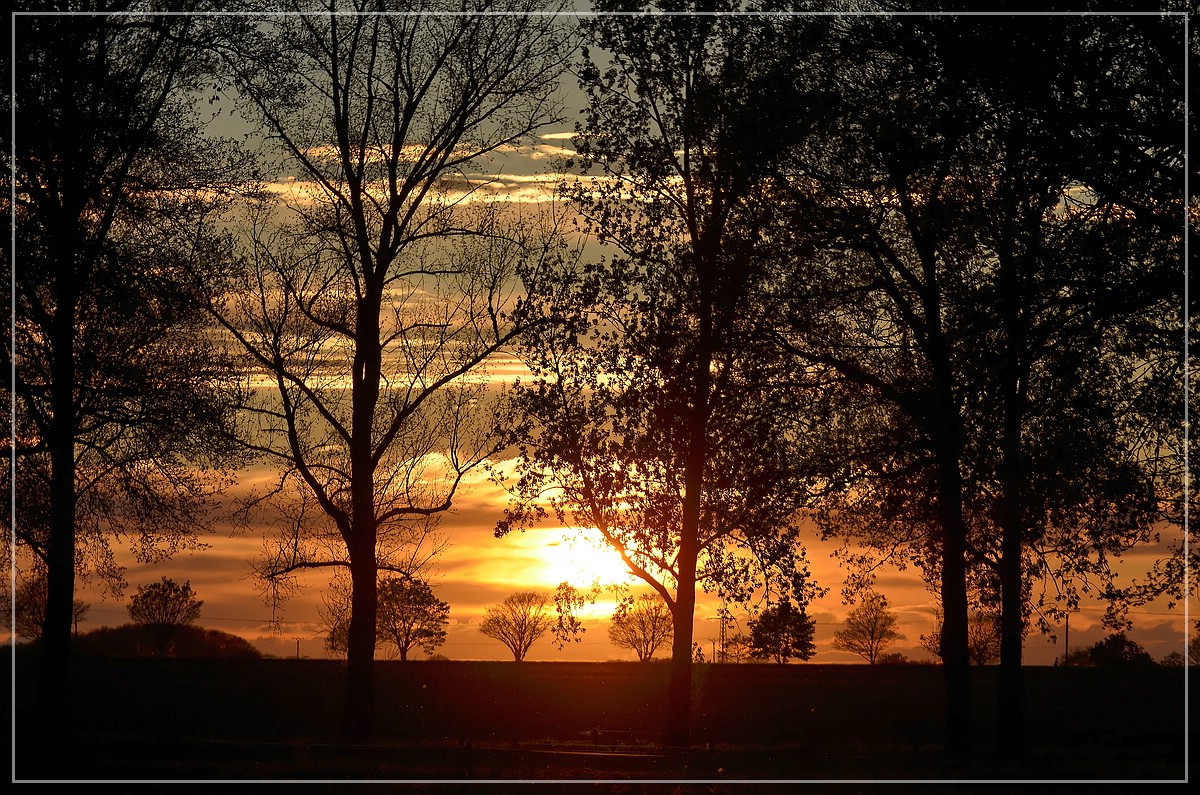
478, 570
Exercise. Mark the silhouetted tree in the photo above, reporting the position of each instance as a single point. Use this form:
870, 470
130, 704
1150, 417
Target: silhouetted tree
387, 281
738, 649
870, 629
642, 625
958, 209
162, 607
657, 417
1076, 412
782, 631
518, 622
892, 658
1117, 650
983, 637
411, 616
116, 180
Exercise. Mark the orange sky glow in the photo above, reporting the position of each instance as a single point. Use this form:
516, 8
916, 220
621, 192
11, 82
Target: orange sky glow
478, 570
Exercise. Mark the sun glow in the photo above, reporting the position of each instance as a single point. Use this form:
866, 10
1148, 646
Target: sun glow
582, 559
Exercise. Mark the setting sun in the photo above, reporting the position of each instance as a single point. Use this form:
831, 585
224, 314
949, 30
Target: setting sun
582, 559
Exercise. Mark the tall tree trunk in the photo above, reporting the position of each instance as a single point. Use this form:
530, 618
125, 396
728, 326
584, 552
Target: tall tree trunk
1011, 516
360, 644
54, 682
1011, 691
956, 659
679, 695
364, 570
679, 699
946, 431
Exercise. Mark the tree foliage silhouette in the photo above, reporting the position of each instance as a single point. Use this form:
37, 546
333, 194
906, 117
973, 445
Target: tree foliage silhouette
411, 616
642, 625
1115, 650
957, 208
118, 423
518, 622
387, 256
782, 631
870, 629
162, 607
658, 414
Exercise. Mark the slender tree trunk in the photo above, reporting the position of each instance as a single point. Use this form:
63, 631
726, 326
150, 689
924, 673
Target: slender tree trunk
360, 655
956, 658
679, 700
945, 431
1011, 691
679, 695
54, 682
1011, 712
364, 571
955, 642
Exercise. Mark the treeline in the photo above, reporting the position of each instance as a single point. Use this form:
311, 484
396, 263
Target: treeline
915, 279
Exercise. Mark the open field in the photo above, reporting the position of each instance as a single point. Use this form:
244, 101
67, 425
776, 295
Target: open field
275, 719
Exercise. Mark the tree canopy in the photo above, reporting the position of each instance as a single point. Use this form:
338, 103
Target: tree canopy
120, 426
162, 607
782, 631
387, 252
641, 625
870, 629
518, 622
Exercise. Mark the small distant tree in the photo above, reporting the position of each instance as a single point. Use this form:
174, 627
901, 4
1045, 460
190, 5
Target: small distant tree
642, 625
892, 658
519, 621
782, 631
1194, 650
163, 607
410, 616
1118, 650
1172, 660
983, 637
738, 649
870, 629
334, 612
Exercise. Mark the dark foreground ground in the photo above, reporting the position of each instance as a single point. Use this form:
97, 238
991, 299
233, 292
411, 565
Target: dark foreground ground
458, 723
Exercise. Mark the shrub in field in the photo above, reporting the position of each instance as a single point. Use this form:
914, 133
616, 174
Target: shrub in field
135, 640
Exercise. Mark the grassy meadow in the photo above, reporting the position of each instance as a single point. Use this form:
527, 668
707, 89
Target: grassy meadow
279, 719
